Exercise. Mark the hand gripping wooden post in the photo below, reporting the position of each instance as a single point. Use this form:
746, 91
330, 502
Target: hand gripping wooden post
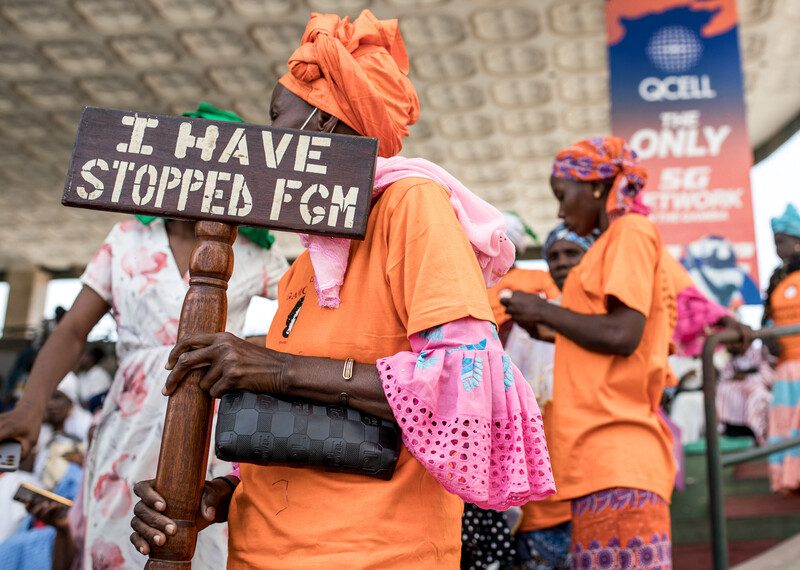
187, 426
223, 174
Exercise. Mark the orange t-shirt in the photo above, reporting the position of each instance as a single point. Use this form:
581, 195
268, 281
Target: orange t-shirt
785, 306
415, 270
677, 273
525, 280
606, 431
551, 511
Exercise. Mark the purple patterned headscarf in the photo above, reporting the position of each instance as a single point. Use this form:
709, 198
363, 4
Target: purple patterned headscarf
602, 158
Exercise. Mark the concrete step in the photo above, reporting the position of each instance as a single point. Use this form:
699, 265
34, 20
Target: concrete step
759, 527
783, 556
761, 505
698, 556
751, 470
757, 518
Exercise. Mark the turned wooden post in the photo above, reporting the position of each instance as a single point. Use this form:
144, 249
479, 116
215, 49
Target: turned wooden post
227, 174
183, 459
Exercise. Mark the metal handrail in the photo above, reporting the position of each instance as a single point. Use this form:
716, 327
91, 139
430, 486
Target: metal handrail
719, 538
758, 452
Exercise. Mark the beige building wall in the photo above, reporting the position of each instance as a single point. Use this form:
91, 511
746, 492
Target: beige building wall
27, 289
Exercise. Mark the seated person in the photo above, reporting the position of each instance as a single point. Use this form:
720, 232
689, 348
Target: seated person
93, 380
45, 532
744, 394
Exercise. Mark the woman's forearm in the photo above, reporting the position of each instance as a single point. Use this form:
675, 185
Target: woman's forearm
616, 332
321, 379
63, 550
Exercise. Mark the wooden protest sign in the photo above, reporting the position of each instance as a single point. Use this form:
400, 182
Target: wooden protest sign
223, 174
237, 173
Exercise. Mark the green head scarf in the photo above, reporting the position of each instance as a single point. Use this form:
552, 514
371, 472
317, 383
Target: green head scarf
258, 236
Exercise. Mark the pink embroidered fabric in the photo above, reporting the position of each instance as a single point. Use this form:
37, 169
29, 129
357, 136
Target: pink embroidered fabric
695, 313
484, 225
468, 415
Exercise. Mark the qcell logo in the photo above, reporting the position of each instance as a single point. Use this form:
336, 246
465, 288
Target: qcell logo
674, 49
676, 88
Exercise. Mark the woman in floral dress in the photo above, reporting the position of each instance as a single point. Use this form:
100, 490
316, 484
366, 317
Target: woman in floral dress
140, 273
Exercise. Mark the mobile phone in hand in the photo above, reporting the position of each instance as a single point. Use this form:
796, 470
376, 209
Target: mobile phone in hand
10, 454
27, 493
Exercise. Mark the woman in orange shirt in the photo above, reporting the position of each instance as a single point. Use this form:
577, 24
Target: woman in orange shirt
782, 307
612, 453
405, 311
543, 539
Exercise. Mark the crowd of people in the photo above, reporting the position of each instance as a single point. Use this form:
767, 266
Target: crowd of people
515, 390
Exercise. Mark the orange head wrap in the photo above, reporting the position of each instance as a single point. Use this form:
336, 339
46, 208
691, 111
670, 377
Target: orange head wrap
356, 71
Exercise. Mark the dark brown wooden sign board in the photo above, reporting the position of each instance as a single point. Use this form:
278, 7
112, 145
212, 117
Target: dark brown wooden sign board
237, 173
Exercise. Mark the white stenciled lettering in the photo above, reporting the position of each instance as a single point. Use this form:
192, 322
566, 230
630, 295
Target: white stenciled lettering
240, 191
341, 202
170, 178
273, 156
281, 196
212, 192
236, 147
152, 175
191, 181
139, 125
187, 140
316, 155
313, 216
122, 167
302, 153
97, 184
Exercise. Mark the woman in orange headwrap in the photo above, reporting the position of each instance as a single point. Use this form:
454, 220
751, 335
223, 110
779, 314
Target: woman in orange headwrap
612, 452
405, 312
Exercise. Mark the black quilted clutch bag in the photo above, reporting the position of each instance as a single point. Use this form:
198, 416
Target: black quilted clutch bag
265, 430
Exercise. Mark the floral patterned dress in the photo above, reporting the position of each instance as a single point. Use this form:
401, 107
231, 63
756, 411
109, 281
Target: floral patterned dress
136, 273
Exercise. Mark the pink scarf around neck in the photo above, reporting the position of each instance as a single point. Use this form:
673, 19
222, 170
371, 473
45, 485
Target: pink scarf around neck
483, 224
